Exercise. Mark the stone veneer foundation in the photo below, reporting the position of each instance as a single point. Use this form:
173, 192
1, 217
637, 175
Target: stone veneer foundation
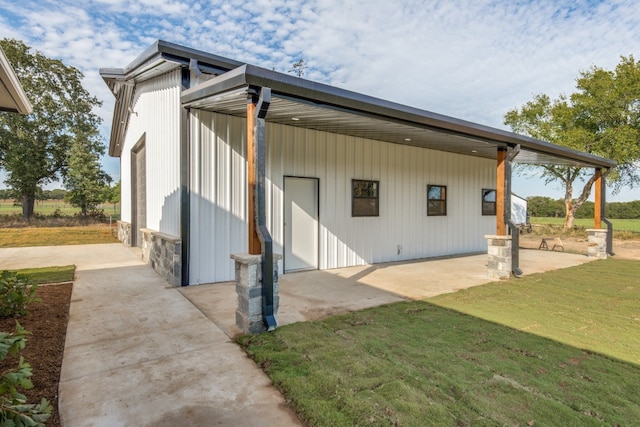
124, 233
163, 253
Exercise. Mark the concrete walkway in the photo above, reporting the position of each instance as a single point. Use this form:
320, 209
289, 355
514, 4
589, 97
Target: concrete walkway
138, 353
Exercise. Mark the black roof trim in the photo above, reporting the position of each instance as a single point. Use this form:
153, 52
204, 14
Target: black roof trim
158, 53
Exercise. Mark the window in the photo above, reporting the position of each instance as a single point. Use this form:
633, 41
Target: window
488, 202
364, 198
436, 200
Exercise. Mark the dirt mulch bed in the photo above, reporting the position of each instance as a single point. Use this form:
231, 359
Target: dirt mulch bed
47, 321
628, 249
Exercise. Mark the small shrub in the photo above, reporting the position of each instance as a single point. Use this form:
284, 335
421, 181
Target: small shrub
14, 409
17, 291
97, 215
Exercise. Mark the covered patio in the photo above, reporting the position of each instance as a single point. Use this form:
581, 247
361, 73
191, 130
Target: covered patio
313, 295
259, 96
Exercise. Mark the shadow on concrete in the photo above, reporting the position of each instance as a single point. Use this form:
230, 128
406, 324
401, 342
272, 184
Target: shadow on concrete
313, 295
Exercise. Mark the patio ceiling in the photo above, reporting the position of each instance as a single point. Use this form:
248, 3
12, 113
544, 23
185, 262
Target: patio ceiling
302, 103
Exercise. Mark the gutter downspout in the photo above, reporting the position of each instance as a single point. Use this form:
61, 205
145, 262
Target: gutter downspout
603, 201
512, 152
185, 190
268, 314
193, 66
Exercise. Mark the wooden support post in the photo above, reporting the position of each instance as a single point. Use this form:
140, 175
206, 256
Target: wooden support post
501, 226
254, 242
597, 211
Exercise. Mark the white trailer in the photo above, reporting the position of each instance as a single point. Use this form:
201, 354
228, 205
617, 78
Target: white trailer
519, 213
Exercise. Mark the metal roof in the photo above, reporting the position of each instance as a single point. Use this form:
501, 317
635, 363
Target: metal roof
159, 58
304, 103
12, 96
308, 104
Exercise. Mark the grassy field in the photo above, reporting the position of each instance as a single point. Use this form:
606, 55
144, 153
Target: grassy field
54, 236
555, 349
50, 274
618, 224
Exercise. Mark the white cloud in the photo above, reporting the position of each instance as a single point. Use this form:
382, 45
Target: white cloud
473, 59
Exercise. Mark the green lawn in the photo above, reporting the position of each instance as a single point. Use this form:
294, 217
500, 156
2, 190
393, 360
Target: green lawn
49, 274
55, 236
555, 349
618, 224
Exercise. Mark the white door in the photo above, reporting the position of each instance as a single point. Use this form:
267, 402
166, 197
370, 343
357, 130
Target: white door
300, 224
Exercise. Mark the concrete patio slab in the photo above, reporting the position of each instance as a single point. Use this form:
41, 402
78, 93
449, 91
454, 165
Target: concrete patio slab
317, 294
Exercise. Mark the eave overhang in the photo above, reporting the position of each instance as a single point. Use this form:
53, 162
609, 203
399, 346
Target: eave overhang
12, 96
159, 58
307, 104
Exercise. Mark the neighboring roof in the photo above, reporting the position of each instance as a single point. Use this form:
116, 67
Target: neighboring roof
303, 103
12, 96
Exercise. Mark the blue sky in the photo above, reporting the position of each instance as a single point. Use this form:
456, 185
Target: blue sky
471, 59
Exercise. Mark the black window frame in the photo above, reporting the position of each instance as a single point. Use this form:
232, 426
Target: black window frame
441, 202
365, 205
485, 203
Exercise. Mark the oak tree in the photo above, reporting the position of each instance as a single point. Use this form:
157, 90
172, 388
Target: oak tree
602, 118
34, 148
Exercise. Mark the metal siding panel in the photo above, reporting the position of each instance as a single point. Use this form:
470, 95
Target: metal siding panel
219, 227
274, 186
157, 114
195, 184
125, 187
328, 256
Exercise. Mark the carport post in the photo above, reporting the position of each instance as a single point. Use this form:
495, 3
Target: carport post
503, 249
254, 241
256, 272
597, 207
501, 225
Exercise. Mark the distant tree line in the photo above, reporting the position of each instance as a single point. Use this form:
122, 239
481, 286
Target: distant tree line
55, 194
548, 207
105, 195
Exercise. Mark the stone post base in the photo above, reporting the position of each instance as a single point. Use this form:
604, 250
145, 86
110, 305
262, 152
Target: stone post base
597, 243
124, 233
249, 290
499, 251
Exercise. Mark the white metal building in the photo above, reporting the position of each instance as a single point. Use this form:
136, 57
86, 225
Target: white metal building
350, 179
